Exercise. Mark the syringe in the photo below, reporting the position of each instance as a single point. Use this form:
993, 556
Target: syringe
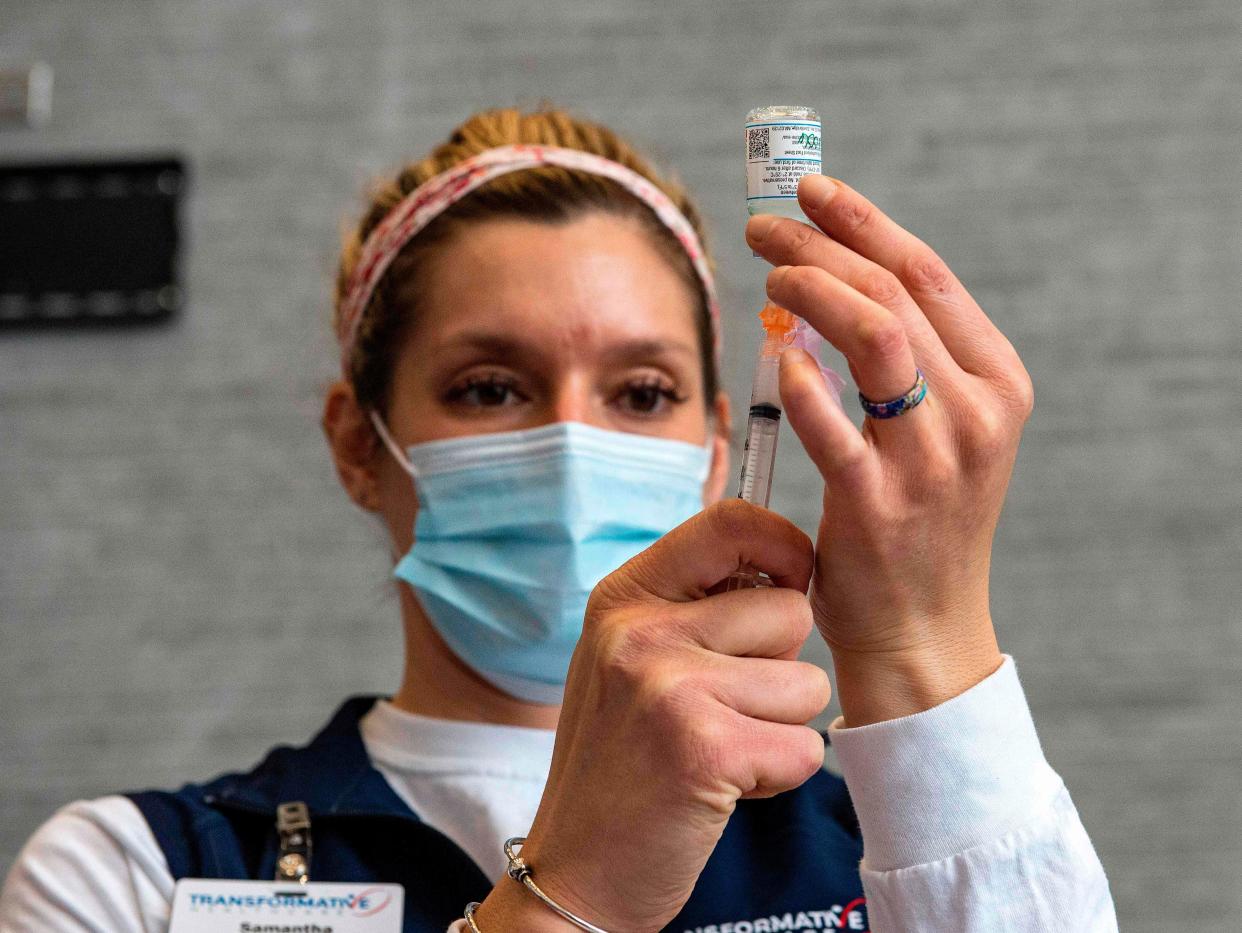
763, 425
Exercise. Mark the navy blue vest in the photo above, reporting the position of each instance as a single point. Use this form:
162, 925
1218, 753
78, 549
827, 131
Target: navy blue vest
786, 863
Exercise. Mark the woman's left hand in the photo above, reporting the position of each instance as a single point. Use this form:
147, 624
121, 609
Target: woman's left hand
911, 503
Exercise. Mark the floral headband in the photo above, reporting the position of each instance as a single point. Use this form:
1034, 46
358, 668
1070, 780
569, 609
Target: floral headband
437, 194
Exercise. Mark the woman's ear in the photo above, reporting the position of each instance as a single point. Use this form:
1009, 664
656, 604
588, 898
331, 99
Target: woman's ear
352, 440
718, 473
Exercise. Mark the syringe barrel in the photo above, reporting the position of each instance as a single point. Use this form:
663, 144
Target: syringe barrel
755, 485
765, 388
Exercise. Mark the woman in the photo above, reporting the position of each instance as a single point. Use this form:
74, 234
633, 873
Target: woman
531, 403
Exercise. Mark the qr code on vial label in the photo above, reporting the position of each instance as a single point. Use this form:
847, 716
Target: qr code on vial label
757, 143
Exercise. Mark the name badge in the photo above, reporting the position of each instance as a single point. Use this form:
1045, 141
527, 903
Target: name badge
202, 905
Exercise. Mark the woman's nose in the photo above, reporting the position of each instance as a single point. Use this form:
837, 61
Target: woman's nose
575, 400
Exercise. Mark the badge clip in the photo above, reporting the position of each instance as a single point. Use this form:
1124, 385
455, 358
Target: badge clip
293, 827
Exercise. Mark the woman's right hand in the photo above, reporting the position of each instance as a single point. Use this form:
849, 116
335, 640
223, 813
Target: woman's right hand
677, 704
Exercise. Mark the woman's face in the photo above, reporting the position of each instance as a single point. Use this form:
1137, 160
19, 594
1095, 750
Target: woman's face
522, 324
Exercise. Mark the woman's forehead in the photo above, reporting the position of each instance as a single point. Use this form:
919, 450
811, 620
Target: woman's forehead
598, 279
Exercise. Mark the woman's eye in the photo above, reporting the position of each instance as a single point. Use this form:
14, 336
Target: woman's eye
648, 398
485, 392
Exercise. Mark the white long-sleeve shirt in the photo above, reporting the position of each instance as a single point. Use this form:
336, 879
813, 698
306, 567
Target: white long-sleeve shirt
966, 828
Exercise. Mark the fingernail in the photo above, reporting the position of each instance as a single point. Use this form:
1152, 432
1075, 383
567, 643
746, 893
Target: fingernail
775, 276
814, 191
758, 226
794, 356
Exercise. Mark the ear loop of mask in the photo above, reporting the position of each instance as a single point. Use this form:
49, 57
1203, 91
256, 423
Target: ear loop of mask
710, 444
397, 453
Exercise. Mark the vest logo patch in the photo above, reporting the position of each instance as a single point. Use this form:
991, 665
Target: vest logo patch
851, 916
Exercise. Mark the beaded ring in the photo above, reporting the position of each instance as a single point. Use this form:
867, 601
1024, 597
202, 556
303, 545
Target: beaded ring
898, 406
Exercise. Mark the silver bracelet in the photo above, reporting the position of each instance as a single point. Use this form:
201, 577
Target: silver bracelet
518, 870
470, 909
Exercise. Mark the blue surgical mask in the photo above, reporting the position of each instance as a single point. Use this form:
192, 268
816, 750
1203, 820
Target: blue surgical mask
515, 529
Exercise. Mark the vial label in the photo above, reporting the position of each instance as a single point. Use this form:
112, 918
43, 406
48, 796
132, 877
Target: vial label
777, 155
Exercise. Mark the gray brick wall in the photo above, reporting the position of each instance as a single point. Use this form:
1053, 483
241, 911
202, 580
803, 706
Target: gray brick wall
182, 584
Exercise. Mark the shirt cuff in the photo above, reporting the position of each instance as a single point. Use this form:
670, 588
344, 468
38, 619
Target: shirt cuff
942, 781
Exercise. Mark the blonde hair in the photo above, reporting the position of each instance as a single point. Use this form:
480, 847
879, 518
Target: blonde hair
547, 193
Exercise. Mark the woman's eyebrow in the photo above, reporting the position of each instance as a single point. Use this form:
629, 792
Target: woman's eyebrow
491, 343
503, 345
647, 348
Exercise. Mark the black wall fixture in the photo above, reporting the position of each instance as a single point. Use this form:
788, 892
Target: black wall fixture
95, 243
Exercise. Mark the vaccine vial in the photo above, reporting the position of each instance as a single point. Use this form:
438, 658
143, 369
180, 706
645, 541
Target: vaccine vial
782, 144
